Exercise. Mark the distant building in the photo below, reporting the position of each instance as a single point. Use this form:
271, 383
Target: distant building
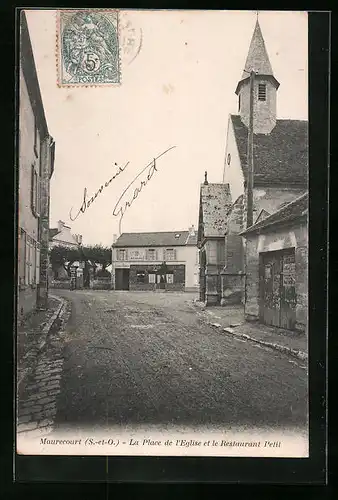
62, 236
276, 287
158, 260
36, 166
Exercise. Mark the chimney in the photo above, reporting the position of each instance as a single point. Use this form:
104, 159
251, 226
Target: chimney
78, 238
60, 225
192, 230
114, 238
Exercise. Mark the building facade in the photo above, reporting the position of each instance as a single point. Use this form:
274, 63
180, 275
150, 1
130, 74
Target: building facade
62, 236
215, 200
156, 261
35, 168
280, 163
276, 288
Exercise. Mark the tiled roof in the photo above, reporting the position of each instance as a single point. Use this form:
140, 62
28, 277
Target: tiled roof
215, 199
292, 211
281, 157
154, 239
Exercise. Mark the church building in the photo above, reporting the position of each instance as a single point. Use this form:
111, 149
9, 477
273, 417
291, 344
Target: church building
280, 163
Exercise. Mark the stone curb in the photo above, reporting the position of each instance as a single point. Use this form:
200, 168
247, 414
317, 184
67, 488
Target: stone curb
277, 347
50, 323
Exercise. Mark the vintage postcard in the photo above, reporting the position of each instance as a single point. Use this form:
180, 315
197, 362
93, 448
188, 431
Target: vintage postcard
163, 233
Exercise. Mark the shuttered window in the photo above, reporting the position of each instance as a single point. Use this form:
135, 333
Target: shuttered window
170, 254
261, 92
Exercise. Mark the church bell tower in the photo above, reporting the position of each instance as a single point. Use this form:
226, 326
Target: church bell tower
265, 90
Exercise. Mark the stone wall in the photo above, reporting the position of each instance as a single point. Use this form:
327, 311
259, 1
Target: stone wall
101, 284
62, 284
264, 111
215, 260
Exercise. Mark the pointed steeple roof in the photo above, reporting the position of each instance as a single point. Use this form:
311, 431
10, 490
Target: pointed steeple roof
258, 59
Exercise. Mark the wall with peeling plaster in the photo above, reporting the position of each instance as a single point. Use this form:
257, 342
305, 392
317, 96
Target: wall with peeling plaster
278, 239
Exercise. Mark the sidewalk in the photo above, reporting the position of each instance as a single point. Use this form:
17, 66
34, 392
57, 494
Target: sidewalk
231, 320
32, 335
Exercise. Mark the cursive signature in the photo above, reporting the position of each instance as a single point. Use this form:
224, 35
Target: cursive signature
151, 166
85, 203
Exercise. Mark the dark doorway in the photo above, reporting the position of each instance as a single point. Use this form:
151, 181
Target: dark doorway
278, 289
122, 279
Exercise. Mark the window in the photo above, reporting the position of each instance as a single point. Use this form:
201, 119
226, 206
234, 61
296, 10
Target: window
140, 276
152, 278
22, 257
170, 254
170, 278
37, 266
261, 92
151, 254
29, 260
35, 192
239, 102
122, 254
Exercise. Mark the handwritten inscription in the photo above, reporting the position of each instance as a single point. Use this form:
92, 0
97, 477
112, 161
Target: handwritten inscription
131, 192
121, 205
86, 203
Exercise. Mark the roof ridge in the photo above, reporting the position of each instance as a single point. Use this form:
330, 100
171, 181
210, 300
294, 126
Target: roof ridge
155, 232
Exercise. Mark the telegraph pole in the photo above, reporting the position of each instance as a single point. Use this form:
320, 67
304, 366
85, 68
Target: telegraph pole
250, 154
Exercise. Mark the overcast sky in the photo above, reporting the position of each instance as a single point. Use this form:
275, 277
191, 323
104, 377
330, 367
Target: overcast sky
178, 91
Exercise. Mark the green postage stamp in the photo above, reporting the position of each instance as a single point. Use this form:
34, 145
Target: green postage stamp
88, 47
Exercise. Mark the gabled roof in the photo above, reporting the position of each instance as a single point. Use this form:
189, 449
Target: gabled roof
263, 214
295, 210
215, 200
192, 239
153, 239
280, 157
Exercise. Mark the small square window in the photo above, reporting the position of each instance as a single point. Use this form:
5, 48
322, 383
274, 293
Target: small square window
261, 92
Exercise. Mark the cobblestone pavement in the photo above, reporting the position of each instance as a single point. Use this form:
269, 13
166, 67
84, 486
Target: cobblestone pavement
147, 358
39, 389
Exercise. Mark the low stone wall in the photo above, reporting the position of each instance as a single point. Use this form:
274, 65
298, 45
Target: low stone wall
60, 284
101, 284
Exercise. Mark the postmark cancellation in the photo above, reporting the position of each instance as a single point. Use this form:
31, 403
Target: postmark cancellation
88, 48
